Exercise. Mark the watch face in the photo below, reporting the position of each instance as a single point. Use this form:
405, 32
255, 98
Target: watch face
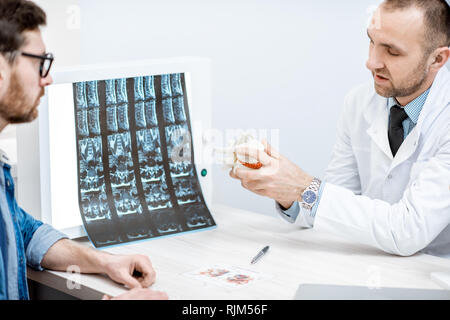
309, 197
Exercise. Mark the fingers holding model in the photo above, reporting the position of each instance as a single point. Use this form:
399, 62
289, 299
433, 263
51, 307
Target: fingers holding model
278, 178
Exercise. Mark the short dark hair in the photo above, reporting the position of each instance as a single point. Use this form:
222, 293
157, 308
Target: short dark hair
17, 16
436, 20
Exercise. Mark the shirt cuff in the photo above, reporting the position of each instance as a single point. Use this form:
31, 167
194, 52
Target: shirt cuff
289, 214
43, 238
316, 205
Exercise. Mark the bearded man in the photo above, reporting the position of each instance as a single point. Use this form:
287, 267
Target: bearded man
24, 74
388, 183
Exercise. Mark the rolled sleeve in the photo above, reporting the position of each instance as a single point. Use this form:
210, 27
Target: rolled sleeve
43, 238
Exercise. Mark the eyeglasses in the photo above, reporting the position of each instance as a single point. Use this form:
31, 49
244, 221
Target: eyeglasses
46, 62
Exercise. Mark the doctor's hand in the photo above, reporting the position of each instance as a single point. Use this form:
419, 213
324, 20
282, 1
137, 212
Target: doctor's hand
134, 271
278, 178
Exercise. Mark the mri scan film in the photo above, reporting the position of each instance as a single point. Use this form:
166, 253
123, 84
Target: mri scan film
136, 173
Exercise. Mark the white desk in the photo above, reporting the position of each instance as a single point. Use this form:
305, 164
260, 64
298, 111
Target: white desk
296, 256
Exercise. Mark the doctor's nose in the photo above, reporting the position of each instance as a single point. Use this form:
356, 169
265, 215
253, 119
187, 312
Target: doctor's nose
373, 63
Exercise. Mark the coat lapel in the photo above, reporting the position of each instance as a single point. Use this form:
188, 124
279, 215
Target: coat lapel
436, 102
378, 116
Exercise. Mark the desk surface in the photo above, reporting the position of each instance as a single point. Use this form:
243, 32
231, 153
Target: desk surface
296, 256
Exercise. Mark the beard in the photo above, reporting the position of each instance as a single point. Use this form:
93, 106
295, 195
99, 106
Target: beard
15, 108
415, 81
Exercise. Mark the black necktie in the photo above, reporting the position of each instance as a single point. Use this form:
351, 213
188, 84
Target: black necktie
395, 132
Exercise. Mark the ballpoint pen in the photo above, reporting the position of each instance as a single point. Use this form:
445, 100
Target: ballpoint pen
260, 254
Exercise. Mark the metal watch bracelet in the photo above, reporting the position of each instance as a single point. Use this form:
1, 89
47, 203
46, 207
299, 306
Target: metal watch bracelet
314, 187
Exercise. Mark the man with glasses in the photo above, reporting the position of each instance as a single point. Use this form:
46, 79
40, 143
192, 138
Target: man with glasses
24, 74
46, 62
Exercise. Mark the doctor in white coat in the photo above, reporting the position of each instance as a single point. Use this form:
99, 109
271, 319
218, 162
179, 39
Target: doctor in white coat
388, 183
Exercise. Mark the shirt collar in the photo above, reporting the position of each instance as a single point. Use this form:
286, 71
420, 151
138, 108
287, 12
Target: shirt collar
413, 108
4, 159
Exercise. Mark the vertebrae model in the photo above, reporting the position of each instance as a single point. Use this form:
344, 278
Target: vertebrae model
232, 160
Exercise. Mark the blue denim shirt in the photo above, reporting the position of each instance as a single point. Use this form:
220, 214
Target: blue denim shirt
23, 240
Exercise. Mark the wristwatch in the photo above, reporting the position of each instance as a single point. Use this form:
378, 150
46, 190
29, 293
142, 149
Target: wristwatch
311, 193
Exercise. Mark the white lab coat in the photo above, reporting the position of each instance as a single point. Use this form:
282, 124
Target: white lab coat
400, 205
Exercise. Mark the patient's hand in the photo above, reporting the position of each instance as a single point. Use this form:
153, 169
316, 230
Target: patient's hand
139, 294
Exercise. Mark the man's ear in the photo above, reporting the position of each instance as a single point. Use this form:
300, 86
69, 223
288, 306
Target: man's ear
4, 68
439, 58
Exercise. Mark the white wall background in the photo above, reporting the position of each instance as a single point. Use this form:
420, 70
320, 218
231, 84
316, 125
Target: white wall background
283, 64
276, 64
62, 37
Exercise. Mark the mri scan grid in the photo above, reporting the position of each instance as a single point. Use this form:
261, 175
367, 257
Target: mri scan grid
136, 172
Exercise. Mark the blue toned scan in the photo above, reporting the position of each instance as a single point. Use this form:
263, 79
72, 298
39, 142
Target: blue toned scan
136, 171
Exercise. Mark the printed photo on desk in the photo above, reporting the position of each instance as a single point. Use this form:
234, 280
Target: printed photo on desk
136, 170
229, 277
